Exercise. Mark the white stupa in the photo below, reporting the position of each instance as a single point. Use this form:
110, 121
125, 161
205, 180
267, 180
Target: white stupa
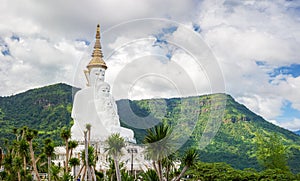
95, 105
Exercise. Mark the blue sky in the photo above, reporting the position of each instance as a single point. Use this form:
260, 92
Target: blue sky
256, 45
293, 70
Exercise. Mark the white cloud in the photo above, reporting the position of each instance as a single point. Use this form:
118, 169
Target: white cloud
267, 106
242, 33
290, 90
293, 125
35, 62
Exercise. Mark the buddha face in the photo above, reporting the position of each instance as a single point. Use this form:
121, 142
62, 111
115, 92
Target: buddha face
96, 74
104, 90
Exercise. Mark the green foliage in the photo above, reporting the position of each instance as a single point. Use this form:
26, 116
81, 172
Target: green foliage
126, 176
49, 147
115, 143
158, 142
150, 175
271, 152
74, 161
276, 174
55, 170
65, 133
44, 109
190, 157
158, 146
215, 171
66, 177
91, 156
48, 110
223, 172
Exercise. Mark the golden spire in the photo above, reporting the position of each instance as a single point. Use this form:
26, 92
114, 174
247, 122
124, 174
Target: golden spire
97, 56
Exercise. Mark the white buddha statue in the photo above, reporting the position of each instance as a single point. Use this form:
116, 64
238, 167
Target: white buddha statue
107, 111
95, 105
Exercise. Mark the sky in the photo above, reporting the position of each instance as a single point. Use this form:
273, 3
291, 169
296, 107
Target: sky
248, 49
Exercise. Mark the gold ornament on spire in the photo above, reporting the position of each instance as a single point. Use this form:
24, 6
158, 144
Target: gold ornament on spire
97, 56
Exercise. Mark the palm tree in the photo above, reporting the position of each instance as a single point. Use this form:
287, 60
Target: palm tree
16, 132
65, 134
158, 146
17, 165
111, 172
23, 151
73, 163
115, 143
190, 157
49, 151
91, 159
23, 148
8, 165
30, 134
168, 164
150, 175
55, 172
88, 127
72, 145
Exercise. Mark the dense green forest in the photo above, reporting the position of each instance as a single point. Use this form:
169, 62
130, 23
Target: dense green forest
48, 110
45, 109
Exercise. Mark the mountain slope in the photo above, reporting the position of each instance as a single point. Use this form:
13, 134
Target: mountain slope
234, 142
297, 132
48, 109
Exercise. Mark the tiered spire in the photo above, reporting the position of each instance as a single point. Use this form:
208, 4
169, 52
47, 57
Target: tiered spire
97, 56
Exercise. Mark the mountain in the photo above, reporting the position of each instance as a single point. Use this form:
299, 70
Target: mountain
45, 109
297, 132
48, 109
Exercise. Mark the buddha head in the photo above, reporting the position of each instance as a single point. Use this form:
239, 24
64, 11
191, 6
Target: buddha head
103, 89
95, 74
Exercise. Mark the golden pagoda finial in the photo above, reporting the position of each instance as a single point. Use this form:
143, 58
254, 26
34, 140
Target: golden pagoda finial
97, 56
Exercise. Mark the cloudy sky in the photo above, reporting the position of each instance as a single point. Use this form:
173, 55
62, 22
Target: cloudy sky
248, 49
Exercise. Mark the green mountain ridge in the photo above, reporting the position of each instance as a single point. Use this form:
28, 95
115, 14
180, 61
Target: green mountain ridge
48, 109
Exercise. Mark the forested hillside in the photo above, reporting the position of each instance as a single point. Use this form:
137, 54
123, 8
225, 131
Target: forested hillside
48, 109
235, 142
45, 109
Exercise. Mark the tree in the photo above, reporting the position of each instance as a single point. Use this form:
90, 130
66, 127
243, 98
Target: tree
8, 165
168, 165
88, 128
55, 172
91, 159
49, 151
189, 159
111, 172
215, 171
115, 143
16, 151
30, 134
65, 134
158, 146
73, 163
17, 165
23, 151
271, 153
72, 145
150, 175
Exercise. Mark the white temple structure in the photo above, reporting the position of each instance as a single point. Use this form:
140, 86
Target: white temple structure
94, 105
